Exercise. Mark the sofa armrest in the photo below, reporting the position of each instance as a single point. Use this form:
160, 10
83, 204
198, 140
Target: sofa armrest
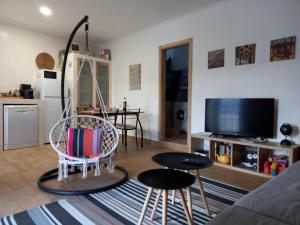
237, 215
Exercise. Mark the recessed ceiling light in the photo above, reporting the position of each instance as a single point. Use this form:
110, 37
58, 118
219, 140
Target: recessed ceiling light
45, 11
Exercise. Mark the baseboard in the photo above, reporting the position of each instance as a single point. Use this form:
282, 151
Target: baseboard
162, 144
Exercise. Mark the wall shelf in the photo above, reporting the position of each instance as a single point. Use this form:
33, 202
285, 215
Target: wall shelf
238, 145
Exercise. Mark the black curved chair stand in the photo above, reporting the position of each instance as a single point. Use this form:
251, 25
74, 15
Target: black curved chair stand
52, 174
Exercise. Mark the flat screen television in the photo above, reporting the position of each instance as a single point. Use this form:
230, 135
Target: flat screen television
243, 117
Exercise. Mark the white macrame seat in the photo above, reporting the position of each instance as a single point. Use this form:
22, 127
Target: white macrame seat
109, 136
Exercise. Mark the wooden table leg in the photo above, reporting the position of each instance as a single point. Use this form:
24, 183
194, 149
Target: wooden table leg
125, 140
186, 210
189, 199
165, 207
155, 204
145, 205
202, 192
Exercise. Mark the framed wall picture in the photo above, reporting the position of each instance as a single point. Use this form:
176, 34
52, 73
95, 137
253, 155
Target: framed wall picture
216, 58
105, 54
245, 54
283, 49
135, 77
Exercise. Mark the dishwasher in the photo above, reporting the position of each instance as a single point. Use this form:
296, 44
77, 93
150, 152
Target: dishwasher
20, 126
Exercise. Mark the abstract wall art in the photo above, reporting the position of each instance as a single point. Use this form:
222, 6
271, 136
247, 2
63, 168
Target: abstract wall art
216, 58
245, 54
135, 77
283, 49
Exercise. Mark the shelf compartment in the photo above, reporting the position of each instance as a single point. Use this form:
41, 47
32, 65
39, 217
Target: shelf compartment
223, 150
241, 159
265, 154
200, 147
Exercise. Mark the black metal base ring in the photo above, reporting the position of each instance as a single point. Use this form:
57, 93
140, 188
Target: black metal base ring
52, 174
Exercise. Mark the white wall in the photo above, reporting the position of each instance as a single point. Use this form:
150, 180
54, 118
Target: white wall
18, 50
224, 24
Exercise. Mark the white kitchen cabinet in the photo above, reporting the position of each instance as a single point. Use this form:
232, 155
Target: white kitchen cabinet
85, 95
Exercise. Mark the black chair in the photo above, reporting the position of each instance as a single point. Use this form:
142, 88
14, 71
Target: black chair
128, 114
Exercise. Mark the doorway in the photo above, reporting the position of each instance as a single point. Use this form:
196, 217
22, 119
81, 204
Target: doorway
175, 92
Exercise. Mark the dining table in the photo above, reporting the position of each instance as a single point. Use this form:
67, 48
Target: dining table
112, 113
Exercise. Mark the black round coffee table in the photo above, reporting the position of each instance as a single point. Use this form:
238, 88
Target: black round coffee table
187, 162
165, 180
182, 161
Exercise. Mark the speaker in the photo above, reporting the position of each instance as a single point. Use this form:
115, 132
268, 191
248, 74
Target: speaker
286, 129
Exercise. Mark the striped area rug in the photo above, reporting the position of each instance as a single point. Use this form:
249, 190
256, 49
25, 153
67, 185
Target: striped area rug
123, 205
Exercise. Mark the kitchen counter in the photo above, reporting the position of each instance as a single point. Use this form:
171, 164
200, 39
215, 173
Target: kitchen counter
10, 97
21, 101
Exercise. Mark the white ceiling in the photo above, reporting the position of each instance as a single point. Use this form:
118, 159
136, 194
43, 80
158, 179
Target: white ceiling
109, 19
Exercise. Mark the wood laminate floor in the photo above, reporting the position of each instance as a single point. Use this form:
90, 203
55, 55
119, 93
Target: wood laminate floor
178, 138
20, 169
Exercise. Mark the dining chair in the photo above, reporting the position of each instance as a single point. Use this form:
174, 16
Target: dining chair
124, 126
112, 118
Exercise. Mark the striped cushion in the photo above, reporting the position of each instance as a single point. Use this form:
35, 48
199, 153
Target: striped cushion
84, 142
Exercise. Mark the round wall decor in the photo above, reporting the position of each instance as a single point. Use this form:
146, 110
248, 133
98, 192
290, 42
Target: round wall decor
44, 61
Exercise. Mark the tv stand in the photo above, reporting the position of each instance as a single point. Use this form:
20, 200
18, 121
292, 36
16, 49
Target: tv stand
260, 140
235, 149
254, 140
217, 135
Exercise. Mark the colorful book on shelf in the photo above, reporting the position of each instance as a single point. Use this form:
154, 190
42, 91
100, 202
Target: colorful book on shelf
279, 158
281, 161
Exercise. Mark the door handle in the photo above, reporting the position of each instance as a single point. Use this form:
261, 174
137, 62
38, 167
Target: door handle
22, 111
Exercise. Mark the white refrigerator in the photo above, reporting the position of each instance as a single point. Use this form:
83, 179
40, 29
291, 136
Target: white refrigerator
49, 90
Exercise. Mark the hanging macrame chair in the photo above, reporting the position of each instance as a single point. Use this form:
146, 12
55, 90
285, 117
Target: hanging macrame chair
70, 128
60, 138
73, 134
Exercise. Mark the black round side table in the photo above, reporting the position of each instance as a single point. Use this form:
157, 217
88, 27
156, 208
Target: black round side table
165, 180
187, 162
